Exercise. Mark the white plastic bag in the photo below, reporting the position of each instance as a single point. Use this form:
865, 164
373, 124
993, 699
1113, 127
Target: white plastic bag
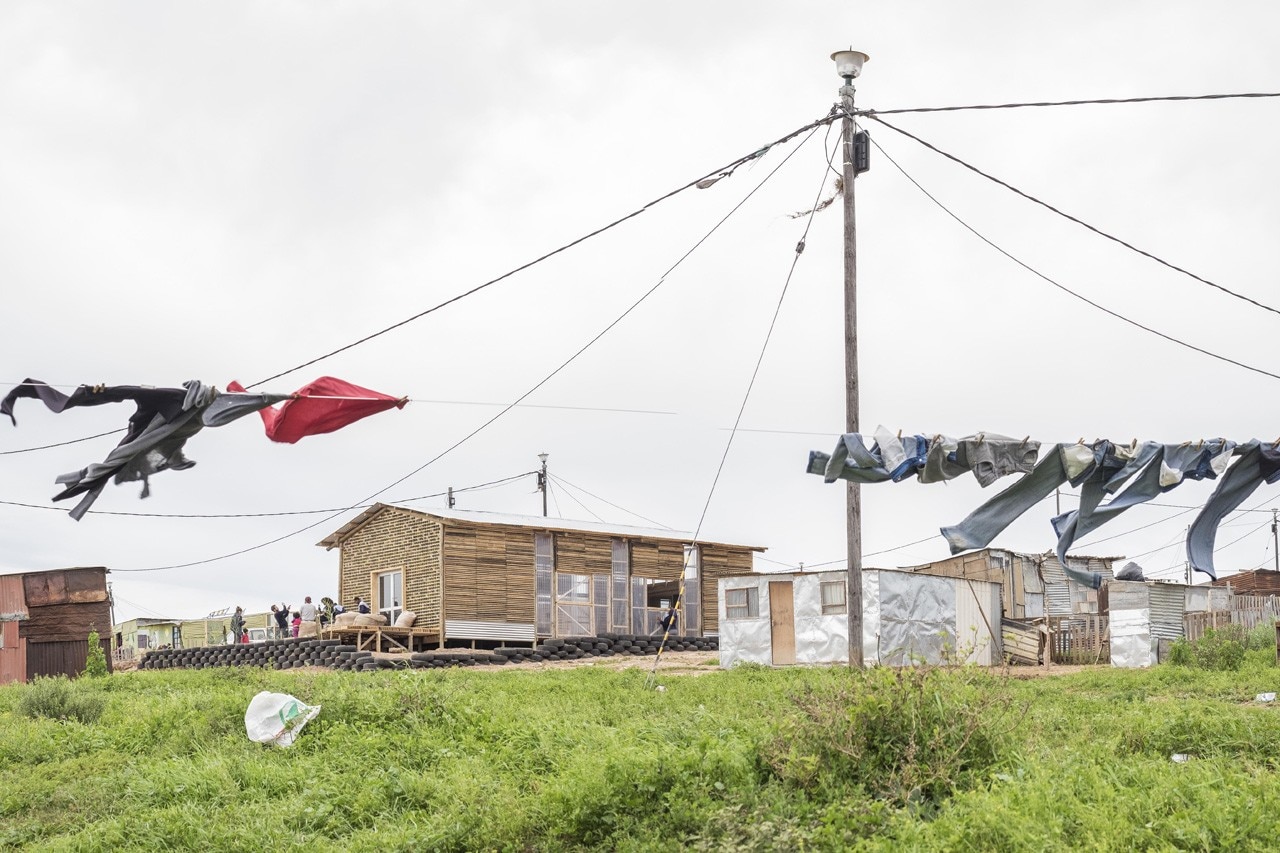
277, 718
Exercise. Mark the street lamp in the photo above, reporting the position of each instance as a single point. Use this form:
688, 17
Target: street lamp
849, 65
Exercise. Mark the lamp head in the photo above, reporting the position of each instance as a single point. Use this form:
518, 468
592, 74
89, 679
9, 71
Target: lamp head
849, 63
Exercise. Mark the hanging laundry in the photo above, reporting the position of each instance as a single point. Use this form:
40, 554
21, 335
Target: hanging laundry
852, 460
990, 456
1163, 468
326, 405
1258, 463
165, 418
1064, 463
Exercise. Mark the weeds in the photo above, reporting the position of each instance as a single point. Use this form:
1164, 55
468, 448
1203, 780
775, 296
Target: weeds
909, 735
60, 699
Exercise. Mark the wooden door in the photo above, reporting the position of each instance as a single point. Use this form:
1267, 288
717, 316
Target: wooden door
782, 620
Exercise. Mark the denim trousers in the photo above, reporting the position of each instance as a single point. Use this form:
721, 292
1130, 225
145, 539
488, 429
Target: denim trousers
1258, 463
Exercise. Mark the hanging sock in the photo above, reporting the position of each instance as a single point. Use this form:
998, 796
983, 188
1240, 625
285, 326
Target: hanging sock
307, 412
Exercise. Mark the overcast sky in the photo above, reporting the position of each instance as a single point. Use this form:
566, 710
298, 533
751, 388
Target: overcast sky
222, 191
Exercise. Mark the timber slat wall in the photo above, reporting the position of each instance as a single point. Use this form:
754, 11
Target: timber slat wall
717, 562
487, 569
395, 539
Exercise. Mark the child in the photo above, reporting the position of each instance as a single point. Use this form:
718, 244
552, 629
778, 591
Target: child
296, 623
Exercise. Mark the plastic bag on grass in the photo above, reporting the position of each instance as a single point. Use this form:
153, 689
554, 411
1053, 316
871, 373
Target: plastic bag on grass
277, 718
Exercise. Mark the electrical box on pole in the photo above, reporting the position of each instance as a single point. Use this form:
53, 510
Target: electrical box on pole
861, 152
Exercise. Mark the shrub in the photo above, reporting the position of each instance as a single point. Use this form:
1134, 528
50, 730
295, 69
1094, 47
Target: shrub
1220, 650
95, 665
907, 735
59, 699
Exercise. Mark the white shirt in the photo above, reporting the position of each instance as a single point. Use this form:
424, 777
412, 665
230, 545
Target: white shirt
307, 612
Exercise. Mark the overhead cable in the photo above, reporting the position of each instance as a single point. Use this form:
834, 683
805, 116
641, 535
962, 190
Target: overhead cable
634, 305
478, 487
1063, 287
1089, 102
1079, 221
755, 372
714, 173
562, 481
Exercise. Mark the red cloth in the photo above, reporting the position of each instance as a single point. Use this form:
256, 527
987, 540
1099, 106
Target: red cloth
303, 416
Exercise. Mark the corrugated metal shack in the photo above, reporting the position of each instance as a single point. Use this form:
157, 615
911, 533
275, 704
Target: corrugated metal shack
1256, 582
488, 577
802, 617
1043, 610
45, 620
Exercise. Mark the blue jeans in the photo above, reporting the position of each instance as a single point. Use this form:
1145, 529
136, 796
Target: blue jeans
989, 520
1258, 463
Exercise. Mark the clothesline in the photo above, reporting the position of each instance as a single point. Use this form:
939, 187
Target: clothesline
166, 418
1122, 475
407, 399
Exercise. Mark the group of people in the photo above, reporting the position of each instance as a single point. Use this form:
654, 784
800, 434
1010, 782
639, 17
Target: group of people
290, 622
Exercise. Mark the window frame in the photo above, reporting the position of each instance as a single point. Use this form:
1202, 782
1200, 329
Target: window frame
751, 605
833, 609
393, 611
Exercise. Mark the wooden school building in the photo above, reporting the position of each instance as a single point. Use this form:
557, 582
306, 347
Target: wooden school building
489, 577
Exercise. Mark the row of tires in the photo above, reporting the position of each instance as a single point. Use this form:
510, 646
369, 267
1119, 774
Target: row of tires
273, 654
293, 653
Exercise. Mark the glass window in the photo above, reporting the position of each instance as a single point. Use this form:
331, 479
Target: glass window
543, 563
621, 577
391, 595
833, 600
741, 603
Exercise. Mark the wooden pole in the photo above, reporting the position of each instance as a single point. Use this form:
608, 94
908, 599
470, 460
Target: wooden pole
853, 516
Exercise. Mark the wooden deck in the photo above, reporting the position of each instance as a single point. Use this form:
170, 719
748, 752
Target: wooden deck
384, 638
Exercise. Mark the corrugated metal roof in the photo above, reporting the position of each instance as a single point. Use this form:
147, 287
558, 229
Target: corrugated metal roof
535, 522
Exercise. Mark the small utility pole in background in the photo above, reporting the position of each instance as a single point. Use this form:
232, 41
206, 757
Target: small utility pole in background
542, 482
1275, 538
848, 66
450, 499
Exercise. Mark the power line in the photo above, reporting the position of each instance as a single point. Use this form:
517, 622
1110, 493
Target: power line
1063, 287
207, 515
571, 496
60, 443
723, 171
1079, 221
1146, 100
644, 296
755, 372
565, 482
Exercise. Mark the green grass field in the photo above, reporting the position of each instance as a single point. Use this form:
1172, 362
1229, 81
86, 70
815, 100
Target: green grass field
590, 759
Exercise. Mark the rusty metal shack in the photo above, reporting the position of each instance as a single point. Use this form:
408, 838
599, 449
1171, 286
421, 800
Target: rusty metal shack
488, 577
45, 620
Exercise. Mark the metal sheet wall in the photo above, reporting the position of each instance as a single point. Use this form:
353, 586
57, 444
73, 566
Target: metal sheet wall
1168, 604
61, 657
978, 629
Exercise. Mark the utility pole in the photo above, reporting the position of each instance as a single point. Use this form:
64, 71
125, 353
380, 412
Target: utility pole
542, 482
450, 498
1275, 538
848, 66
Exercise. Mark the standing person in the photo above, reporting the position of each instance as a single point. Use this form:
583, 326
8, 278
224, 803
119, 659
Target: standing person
310, 615
308, 610
281, 614
237, 624
297, 622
